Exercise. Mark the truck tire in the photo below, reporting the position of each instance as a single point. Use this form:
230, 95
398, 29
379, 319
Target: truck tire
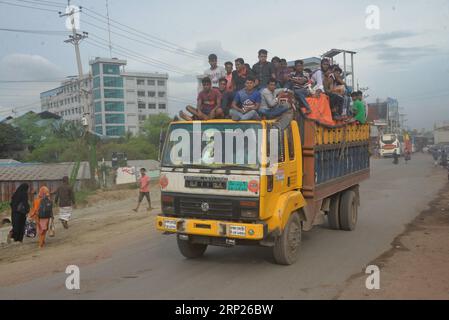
348, 210
333, 216
286, 247
191, 250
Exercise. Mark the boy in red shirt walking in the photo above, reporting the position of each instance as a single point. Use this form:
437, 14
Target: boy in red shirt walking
144, 190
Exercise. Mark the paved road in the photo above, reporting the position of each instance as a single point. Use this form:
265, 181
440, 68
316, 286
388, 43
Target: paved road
152, 268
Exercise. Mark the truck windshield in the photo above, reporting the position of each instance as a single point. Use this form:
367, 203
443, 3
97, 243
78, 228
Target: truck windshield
213, 145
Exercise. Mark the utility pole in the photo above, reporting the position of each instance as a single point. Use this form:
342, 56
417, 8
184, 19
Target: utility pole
75, 38
109, 28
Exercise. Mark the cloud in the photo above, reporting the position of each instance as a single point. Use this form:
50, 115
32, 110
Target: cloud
383, 47
214, 46
28, 67
394, 35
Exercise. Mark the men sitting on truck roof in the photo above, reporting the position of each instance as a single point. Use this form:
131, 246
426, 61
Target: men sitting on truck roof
358, 108
226, 96
208, 104
246, 102
214, 72
263, 70
239, 75
299, 82
270, 107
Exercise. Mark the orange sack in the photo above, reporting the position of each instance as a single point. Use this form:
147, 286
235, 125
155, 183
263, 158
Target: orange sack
321, 110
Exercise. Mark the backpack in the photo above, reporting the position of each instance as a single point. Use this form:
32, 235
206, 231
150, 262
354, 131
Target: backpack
45, 208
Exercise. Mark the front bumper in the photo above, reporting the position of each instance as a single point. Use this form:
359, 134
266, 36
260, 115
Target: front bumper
212, 228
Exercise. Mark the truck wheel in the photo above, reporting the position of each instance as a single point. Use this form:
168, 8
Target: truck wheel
286, 246
191, 250
348, 211
333, 216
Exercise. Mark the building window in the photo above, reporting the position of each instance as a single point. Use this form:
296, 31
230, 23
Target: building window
98, 119
161, 94
115, 118
116, 106
162, 106
113, 93
99, 130
151, 106
140, 82
141, 93
151, 94
142, 117
141, 105
161, 82
97, 94
97, 106
115, 130
95, 69
151, 82
111, 69
114, 82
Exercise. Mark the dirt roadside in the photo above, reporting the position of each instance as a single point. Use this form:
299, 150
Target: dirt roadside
95, 232
417, 265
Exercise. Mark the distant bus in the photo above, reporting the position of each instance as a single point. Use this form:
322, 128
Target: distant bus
389, 143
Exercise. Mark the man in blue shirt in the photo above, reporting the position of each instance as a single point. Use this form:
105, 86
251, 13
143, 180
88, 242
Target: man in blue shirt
246, 102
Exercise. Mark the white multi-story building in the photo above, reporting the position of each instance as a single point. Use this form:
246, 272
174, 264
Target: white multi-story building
65, 100
118, 101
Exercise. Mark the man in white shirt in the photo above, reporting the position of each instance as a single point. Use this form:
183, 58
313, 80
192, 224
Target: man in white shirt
215, 73
318, 76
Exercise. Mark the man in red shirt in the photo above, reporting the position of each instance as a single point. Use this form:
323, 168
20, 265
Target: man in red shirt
144, 190
208, 104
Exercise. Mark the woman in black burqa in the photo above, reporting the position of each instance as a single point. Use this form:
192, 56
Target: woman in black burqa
19, 210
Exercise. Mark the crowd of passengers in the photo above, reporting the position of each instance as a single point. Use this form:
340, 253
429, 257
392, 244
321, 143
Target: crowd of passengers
255, 93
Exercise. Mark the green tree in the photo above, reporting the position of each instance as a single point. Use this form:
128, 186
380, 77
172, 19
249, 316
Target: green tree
10, 140
153, 126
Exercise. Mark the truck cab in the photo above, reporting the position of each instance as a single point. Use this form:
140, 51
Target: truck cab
230, 183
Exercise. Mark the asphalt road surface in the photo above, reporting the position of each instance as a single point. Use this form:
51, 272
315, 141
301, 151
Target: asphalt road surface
152, 267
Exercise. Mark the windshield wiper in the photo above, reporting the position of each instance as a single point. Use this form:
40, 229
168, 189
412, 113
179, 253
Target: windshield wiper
237, 167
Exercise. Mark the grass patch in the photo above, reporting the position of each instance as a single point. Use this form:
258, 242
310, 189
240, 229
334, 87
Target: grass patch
82, 195
4, 206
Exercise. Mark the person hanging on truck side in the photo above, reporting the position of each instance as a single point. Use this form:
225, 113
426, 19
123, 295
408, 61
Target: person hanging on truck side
299, 82
239, 75
263, 70
246, 102
208, 104
270, 107
358, 108
214, 72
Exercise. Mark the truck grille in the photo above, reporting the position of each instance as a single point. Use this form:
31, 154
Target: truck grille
209, 207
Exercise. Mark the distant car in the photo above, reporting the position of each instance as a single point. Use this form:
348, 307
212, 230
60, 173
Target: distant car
425, 149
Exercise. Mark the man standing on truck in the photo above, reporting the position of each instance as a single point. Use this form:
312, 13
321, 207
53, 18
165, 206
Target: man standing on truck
246, 102
226, 96
239, 75
214, 72
263, 70
144, 190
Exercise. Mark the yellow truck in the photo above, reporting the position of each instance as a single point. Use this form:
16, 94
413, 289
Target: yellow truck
230, 183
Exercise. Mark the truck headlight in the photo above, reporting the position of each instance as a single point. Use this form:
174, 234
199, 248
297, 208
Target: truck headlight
249, 213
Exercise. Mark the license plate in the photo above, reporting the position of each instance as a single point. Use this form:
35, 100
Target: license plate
237, 230
237, 185
170, 224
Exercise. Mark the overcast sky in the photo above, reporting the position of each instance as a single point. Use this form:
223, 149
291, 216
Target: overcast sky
406, 58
